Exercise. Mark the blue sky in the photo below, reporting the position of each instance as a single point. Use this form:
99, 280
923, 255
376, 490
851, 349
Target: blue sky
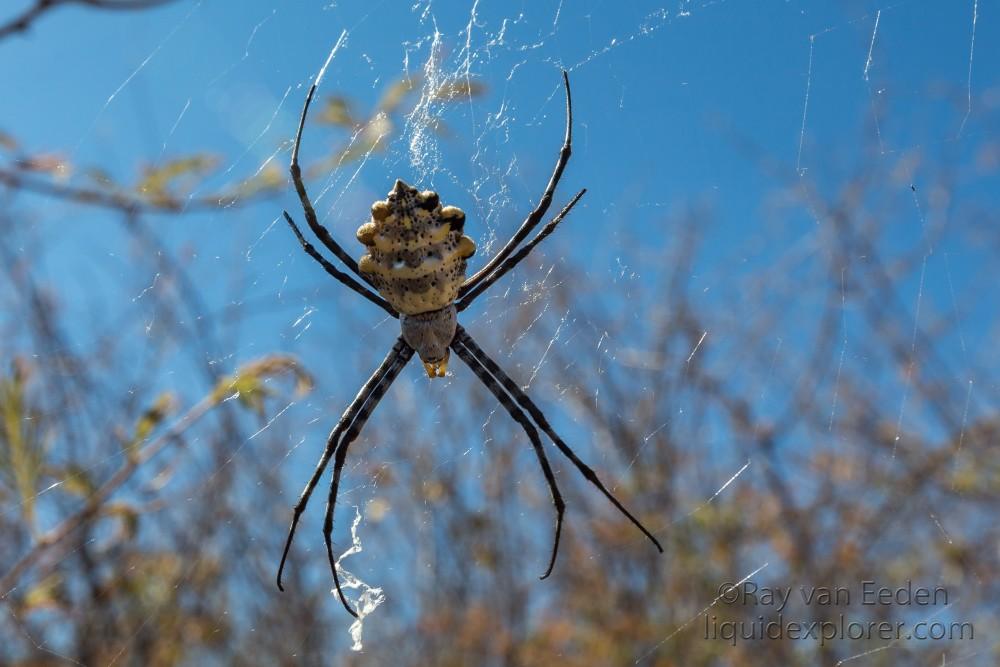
667, 100
715, 107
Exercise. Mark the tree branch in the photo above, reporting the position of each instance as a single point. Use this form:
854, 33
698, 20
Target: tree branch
96, 500
110, 199
23, 21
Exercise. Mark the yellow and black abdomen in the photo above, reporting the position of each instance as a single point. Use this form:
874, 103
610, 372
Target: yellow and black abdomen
416, 250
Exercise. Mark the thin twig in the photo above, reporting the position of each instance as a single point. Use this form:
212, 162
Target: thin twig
118, 201
96, 500
25, 19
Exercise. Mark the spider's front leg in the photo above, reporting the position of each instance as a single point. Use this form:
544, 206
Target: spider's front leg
335, 272
516, 258
320, 231
535, 217
312, 220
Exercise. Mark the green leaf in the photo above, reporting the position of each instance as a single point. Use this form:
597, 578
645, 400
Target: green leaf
461, 89
46, 594
98, 176
172, 180
397, 92
249, 384
251, 392
127, 514
75, 480
372, 139
271, 178
337, 111
8, 142
162, 407
21, 450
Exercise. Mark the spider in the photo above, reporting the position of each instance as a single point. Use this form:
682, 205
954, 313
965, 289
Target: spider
416, 263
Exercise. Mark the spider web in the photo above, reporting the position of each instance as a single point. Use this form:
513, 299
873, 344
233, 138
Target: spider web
767, 327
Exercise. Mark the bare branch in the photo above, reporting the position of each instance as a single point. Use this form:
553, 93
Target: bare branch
116, 200
25, 20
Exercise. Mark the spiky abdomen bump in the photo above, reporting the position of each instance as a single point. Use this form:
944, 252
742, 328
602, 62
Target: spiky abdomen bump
416, 250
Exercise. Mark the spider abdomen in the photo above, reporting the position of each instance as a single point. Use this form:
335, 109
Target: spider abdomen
416, 250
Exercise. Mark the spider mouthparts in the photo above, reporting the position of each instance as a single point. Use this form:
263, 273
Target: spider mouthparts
437, 369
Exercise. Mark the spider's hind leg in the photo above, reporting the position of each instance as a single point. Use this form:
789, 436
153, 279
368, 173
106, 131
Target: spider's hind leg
465, 341
557, 500
402, 354
358, 410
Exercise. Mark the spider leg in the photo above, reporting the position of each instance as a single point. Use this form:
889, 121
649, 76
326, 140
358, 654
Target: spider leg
403, 353
333, 441
319, 230
516, 258
525, 402
536, 215
481, 372
335, 272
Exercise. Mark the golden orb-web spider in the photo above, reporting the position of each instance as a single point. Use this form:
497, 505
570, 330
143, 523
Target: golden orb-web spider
416, 262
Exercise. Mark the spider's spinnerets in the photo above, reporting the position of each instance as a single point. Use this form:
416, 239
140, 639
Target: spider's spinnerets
416, 250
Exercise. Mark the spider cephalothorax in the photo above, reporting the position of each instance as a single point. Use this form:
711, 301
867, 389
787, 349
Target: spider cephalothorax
416, 261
